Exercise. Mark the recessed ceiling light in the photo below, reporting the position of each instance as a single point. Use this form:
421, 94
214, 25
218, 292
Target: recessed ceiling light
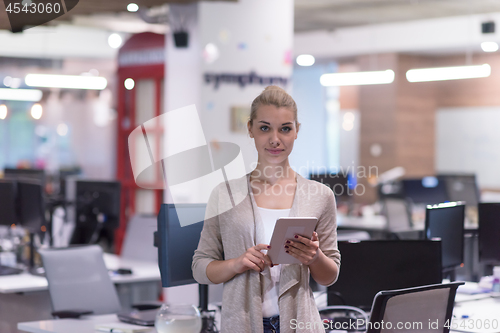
129, 84
3, 111
489, 46
132, 7
115, 40
305, 60
36, 111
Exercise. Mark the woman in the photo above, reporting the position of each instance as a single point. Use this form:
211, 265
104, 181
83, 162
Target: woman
258, 295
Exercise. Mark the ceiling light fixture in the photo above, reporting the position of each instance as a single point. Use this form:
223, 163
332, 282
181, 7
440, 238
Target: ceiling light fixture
36, 111
305, 60
3, 111
115, 40
489, 46
448, 73
132, 7
66, 81
24, 95
129, 84
357, 78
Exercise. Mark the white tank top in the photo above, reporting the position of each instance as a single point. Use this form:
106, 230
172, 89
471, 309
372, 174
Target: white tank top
270, 300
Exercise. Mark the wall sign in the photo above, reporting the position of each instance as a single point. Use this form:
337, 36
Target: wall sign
243, 79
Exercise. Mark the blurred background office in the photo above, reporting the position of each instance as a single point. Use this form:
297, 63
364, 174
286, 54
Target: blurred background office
388, 137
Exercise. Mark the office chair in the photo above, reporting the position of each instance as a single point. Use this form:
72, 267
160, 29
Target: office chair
425, 305
399, 221
78, 279
139, 241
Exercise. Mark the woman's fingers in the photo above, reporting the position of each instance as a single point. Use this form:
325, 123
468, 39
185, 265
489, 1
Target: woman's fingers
303, 248
255, 263
257, 252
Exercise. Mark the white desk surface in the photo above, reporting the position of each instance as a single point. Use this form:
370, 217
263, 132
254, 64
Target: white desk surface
85, 324
376, 222
477, 307
141, 272
473, 316
379, 223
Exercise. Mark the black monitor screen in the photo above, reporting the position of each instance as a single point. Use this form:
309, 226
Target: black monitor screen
461, 188
341, 185
372, 266
7, 203
97, 211
446, 221
427, 190
489, 232
33, 175
31, 205
177, 244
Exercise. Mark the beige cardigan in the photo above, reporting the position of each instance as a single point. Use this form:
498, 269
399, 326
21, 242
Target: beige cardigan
229, 234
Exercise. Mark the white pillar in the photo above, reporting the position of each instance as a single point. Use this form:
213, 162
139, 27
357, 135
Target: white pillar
244, 37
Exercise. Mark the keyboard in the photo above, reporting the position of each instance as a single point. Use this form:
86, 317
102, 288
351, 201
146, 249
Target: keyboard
7, 270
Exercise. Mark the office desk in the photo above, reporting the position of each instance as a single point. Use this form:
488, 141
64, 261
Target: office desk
483, 308
141, 272
25, 297
379, 223
372, 223
478, 313
83, 325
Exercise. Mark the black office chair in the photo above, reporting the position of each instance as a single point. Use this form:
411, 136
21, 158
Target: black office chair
411, 306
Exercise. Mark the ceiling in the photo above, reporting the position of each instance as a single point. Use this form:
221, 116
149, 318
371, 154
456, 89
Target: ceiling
333, 14
106, 7
309, 14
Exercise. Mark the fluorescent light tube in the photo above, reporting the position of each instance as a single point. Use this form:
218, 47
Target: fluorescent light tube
66, 81
25, 95
357, 78
448, 73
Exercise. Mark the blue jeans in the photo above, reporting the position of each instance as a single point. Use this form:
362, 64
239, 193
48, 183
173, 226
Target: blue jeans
272, 324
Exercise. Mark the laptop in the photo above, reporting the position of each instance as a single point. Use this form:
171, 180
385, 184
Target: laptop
7, 270
143, 318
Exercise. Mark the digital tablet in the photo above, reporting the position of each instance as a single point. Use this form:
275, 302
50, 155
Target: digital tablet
286, 228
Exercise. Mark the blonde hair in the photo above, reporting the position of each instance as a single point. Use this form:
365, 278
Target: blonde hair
274, 95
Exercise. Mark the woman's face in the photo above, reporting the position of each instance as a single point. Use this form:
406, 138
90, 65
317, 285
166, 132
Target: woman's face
274, 131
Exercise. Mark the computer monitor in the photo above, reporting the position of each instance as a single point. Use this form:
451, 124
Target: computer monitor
97, 211
427, 190
374, 265
31, 205
446, 221
341, 184
33, 175
489, 232
176, 244
8, 215
461, 187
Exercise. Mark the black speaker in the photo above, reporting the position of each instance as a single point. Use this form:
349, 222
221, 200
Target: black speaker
488, 27
181, 38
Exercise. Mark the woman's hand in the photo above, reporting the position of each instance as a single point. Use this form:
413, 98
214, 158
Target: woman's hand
252, 259
303, 248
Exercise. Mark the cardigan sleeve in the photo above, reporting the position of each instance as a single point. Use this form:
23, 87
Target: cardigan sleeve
327, 230
210, 245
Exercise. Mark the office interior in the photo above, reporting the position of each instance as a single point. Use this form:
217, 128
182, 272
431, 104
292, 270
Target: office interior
398, 108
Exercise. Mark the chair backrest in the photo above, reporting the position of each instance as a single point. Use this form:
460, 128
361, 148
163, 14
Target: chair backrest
489, 232
413, 309
398, 214
139, 239
79, 279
